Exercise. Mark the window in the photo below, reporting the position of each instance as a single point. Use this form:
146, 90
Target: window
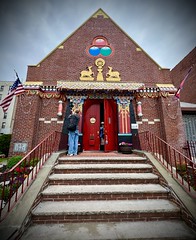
190, 126
3, 124
1, 88
100, 46
5, 115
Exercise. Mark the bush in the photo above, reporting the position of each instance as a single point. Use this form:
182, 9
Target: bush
6, 193
181, 168
5, 143
13, 161
33, 162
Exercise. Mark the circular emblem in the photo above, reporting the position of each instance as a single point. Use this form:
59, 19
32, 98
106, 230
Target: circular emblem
92, 120
100, 62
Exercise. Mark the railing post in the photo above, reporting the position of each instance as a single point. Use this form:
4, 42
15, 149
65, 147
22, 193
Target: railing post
171, 158
20, 181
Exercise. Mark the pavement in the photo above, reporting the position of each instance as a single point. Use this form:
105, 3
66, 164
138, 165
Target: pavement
113, 231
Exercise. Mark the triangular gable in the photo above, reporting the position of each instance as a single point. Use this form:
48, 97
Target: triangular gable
98, 13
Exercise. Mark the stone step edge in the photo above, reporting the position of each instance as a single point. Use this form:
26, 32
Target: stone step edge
103, 189
107, 207
103, 166
103, 176
102, 158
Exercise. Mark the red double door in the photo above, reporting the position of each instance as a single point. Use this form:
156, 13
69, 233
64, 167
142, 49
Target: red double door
95, 112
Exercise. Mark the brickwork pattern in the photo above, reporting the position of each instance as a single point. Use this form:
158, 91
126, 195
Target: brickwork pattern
27, 125
179, 72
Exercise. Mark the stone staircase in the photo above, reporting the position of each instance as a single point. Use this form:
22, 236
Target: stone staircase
108, 190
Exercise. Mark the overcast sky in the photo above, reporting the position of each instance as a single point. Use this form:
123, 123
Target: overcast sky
31, 29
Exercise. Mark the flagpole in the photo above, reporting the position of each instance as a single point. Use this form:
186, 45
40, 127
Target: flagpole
16, 73
177, 94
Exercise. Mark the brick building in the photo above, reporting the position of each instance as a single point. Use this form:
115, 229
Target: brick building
188, 93
7, 118
103, 72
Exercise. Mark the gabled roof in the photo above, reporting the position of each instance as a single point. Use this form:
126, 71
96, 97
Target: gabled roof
99, 12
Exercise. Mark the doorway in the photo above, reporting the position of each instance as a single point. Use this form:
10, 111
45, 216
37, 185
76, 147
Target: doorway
95, 113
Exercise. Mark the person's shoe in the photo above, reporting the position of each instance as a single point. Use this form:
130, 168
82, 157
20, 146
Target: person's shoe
71, 155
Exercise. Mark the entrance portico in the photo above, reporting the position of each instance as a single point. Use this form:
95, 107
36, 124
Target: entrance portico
110, 103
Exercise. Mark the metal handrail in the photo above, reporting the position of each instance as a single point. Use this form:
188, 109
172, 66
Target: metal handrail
15, 181
182, 168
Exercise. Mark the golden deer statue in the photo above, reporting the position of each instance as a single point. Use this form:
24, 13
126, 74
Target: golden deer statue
112, 75
87, 73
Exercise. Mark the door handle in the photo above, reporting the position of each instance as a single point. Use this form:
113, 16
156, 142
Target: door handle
106, 139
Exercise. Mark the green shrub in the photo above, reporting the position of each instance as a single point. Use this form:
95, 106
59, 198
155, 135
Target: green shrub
34, 161
5, 143
31, 163
6, 193
181, 168
13, 161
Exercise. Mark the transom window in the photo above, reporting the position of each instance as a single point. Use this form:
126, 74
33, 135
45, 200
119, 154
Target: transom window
100, 47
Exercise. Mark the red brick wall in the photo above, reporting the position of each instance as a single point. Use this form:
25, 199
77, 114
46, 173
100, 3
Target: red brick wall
51, 122
178, 73
151, 115
27, 125
172, 123
26, 120
163, 117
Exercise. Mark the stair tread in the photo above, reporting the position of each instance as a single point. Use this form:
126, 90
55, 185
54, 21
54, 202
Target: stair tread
110, 176
98, 207
174, 229
103, 158
103, 166
121, 188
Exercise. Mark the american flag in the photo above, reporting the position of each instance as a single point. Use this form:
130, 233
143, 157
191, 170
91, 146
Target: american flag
16, 89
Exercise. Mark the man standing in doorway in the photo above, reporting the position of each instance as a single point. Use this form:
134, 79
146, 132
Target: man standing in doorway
102, 136
73, 135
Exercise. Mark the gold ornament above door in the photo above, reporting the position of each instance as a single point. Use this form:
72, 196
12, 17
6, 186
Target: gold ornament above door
111, 75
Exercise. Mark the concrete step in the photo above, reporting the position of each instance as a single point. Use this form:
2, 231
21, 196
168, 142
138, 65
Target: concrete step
104, 211
103, 168
108, 160
102, 178
103, 192
140, 230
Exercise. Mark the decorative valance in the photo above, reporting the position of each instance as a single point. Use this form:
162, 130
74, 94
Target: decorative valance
118, 86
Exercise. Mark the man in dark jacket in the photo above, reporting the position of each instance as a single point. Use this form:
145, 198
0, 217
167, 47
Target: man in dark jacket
73, 136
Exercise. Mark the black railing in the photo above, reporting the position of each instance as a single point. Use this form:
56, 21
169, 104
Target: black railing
15, 181
182, 168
